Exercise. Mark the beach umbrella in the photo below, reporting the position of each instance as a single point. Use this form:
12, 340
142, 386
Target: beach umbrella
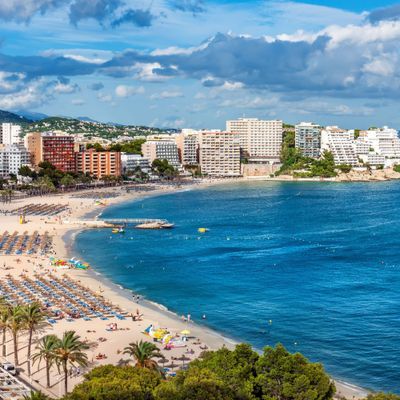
163, 360
172, 365
185, 332
183, 358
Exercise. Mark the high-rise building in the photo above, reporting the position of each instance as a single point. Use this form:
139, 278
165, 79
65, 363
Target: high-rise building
220, 154
130, 162
56, 149
260, 140
10, 133
99, 163
162, 148
188, 147
340, 143
308, 139
12, 158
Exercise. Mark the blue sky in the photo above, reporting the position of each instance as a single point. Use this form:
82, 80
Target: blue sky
196, 63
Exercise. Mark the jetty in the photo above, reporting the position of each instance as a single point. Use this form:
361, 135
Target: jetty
139, 223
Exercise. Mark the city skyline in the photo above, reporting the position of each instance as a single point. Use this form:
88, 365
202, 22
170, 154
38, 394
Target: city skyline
197, 64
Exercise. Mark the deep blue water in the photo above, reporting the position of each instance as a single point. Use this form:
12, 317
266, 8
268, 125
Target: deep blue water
320, 260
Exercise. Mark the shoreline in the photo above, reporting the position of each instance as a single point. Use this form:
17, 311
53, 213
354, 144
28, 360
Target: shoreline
343, 388
154, 313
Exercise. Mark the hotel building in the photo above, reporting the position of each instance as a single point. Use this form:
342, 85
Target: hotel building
188, 147
260, 140
308, 139
220, 154
56, 149
340, 143
10, 133
12, 158
162, 148
130, 162
99, 164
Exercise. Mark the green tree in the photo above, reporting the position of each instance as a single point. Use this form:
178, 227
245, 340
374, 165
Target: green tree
46, 184
345, 168
163, 168
383, 396
324, 167
285, 376
15, 324
45, 352
36, 396
236, 368
195, 384
67, 180
46, 165
70, 352
110, 382
143, 354
26, 171
33, 320
396, 168
95, 146
4, 315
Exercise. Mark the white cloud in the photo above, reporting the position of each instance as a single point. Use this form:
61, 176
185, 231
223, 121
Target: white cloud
65, 88
250, 102
127, 91
104, 98
166, 95
77, 102
11, 82
33, 95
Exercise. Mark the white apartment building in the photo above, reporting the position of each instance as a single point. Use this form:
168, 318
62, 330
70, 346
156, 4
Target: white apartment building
308, 139
261, 140
12, 158
188, 146
10, 133
340, 143
161, 147
373, 159
384, 141
375, 145
220, 154
362, 147
130, 162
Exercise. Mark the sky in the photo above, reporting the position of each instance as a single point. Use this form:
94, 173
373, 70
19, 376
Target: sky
197, 63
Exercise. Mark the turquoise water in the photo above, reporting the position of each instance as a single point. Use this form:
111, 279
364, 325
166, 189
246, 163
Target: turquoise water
319, 260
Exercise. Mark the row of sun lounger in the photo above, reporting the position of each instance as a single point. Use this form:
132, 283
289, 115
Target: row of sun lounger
62, 298
40, 209
24, 244
96, 195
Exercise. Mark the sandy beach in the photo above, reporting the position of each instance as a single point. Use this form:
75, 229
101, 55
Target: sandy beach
62, 229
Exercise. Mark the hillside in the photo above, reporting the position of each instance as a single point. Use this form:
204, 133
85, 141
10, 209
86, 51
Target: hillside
6, 116
91, 128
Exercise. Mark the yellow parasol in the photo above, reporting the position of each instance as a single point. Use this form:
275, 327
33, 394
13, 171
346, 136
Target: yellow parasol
185, 332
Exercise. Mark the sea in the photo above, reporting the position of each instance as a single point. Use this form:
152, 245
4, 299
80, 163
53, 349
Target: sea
312, 265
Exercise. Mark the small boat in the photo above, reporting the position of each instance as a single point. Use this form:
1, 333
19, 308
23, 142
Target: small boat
203, 230
118, 230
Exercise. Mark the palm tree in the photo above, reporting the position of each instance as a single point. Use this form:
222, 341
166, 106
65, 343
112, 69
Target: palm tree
46, 347
143, 353
15, 324
36, 396
69, 351
33, 319
4, 316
